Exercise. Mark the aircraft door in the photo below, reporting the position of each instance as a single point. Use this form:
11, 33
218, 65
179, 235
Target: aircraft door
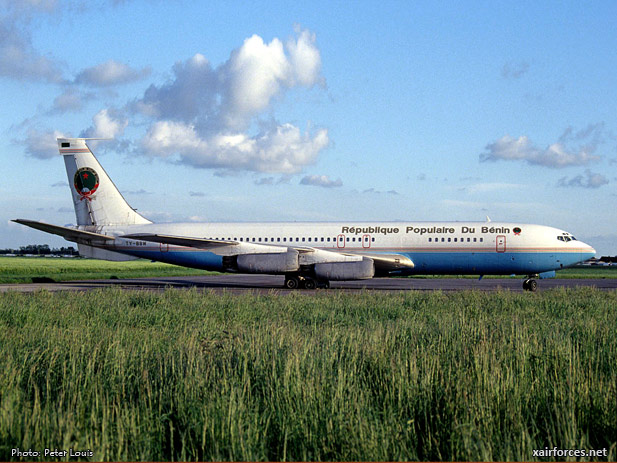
500, 243
340, 241
164, 247
366, 241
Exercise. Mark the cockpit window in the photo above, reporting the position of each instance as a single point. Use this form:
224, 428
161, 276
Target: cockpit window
566, 238
560, 238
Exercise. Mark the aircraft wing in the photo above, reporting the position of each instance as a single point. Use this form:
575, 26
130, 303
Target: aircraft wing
200, 243
70, 234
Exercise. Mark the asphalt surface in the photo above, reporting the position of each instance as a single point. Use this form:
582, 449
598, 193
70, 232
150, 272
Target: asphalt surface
264, 284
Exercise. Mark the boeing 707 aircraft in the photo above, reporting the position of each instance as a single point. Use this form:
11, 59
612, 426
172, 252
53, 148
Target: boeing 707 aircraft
308, 254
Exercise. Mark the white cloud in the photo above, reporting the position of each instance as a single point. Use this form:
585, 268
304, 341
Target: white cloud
253, 75
105, 124
203, 115
589, 180
322, 181
41, 144
70, 100
522, 149
305, 58
231, 95
18, 58
110, 73
283, 149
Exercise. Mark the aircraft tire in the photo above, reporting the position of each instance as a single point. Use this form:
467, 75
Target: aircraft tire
532, 285
292, 283
309, 283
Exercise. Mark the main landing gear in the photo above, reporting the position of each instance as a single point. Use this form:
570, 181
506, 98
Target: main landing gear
304, 282
530, 284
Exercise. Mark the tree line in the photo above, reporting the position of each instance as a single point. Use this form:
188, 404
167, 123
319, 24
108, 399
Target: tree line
40, 250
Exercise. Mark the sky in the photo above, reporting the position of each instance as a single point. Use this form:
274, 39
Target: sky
315, 111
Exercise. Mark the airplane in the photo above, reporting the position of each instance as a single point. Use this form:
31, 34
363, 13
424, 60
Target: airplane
309, 254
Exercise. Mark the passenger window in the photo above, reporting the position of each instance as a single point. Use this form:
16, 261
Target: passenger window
348, 239
475, 239
481, 240
309, 239
443, 239
449, 240
455, 240
303, 239
429, 240
373, 240
328, 239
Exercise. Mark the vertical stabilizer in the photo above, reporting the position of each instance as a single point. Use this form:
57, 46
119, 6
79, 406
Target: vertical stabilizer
97, 200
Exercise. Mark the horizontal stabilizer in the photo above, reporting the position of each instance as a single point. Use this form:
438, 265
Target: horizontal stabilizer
70, 234
199, 243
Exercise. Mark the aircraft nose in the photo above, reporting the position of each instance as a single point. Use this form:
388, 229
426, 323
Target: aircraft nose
588, 252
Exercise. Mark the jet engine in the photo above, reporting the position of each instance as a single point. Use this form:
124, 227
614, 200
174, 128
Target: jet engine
273, 263
359, 270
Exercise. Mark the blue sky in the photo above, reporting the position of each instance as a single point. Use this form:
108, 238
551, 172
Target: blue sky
282, 111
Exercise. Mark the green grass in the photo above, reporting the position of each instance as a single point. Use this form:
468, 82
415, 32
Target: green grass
185, 375
23, 269
588, 272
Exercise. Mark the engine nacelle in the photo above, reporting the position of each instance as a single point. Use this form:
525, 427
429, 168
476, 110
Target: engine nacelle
361, 270
273, 263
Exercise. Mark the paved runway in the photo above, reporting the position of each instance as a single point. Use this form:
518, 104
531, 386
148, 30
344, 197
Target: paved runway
266, 283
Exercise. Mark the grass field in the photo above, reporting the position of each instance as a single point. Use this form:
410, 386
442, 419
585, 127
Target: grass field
24, 269
331, 376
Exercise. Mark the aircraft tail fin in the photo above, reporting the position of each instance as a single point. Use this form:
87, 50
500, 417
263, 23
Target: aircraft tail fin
96, 199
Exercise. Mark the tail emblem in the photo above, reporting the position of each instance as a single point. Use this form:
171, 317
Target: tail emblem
86, 182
